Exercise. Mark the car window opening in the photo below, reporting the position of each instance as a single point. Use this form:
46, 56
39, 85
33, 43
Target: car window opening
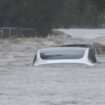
63, 54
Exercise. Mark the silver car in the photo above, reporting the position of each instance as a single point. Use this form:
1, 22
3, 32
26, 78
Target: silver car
82, 55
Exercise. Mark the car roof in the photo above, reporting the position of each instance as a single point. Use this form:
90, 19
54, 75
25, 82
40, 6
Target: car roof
63, 48
77, 45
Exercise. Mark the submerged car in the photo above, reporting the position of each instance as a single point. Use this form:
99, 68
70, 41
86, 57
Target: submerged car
81, 55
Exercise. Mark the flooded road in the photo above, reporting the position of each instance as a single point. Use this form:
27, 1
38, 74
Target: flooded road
57, 84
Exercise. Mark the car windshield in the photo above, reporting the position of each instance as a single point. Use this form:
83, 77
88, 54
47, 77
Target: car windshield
62, 53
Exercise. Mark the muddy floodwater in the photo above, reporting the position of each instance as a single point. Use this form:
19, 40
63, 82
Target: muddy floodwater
56, 84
